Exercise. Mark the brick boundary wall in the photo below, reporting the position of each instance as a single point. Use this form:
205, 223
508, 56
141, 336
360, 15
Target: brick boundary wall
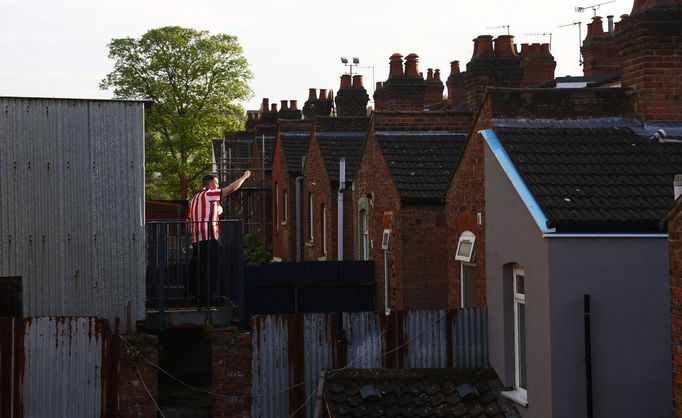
232, 353
133, 399
675, 239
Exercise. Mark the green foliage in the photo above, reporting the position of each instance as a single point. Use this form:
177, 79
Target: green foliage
255, 253
193, 79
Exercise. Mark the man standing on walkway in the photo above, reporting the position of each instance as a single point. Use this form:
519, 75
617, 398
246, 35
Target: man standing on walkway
204, 210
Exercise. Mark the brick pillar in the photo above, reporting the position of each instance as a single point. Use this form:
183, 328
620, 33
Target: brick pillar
232, 353
134, 401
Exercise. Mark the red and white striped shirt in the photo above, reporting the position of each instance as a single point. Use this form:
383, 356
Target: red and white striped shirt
204, 210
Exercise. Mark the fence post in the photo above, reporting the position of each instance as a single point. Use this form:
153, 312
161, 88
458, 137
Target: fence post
162, 262
237, 262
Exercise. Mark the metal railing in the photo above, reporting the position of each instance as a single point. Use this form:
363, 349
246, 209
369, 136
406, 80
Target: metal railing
185, 276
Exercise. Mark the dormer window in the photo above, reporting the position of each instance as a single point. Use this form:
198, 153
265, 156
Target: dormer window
465, 247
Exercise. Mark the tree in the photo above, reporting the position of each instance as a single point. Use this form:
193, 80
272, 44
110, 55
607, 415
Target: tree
193, 79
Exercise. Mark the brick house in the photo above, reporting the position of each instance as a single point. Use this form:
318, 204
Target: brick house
334, 138
400, 186
291, 145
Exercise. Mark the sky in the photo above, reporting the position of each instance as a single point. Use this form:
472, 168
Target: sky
59, 48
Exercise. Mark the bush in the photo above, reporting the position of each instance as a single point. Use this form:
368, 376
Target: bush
255, 253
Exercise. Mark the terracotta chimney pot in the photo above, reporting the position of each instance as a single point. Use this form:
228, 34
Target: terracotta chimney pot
396, 66
535, 49
412, 65
266, 105
345, 81
323, 95
483, 46
504, 46
429, 74
525, 49
594, 28
273, 107
283, 105
312, 94
436, 75
293, 104
454, 67
357, 81
544, 49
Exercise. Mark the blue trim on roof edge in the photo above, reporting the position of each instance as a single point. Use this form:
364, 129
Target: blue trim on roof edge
516, 180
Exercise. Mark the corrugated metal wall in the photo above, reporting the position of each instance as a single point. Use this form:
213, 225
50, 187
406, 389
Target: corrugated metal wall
72, 205
289, 351
56, 367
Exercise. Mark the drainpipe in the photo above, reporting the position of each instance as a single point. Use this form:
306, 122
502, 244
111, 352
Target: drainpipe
299, 218
339, 209
588, 356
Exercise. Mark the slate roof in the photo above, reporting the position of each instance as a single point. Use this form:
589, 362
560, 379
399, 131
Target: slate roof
415, 393
294, 147
337, 145
421, 163
595, 179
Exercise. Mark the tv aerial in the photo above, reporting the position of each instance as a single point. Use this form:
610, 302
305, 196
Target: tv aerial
541, 34
594, 7
580, 37
500, 27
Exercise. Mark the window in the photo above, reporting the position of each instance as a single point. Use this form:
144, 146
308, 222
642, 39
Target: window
311, 213
285, 206
276, 220
323, 217
467, 288
10, 297
520, 384
363, 235
465, 247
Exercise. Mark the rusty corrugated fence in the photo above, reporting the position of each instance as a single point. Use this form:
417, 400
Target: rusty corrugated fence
56, 367
290, 351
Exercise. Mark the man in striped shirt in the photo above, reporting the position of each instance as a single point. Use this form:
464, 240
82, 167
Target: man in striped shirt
204, 210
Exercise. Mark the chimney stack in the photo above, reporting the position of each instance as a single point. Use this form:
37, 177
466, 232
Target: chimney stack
265, 106
455, 83
434, 88
351, 99
599, 50
649, 48
403, 90
289, 111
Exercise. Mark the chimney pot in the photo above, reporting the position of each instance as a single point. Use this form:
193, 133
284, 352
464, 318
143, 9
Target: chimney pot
357, 81
323, 95
483, 46
594, 28
412, 65
429, 74
379, 85
454, 67
544, 49
436, 75
312, 94
273, 107
345, 81
283, 105
293, 104
535, 49
266, 105
504, 46
610, 23
525, 49
396, 66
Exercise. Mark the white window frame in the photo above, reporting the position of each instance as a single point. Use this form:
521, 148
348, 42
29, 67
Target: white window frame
520, 394
285, 207
461, 283
324, 230
363, 235
467, 237
311, 214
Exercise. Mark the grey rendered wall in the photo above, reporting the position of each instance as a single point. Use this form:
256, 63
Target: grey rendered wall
513, 237
627, 279
72, 205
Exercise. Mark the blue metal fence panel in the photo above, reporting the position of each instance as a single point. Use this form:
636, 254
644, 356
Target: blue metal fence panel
364, 338
471, 338
425, 331
318, 351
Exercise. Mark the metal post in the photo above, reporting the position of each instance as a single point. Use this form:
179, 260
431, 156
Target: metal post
588, 356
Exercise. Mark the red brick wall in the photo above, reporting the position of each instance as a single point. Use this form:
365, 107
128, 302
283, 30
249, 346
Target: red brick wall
283, 235
373, 177
650, 53
424, 267
133, 399
466, 198
422, 121
317, 182
231, 356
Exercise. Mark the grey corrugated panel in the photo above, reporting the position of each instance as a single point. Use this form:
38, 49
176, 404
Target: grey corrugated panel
364, 338
62, 367
270, 367
426, 337
73, 207
317, 352
471, 338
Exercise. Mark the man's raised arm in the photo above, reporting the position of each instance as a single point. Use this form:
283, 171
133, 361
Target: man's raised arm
235, 184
